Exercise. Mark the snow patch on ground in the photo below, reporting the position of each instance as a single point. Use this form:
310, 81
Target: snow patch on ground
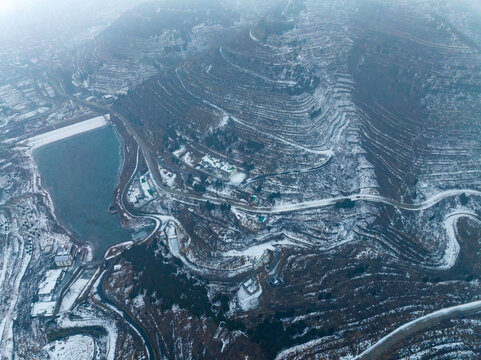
86, 318
225, 118
367, 254
188, 159
167, 177
78, 347
237, 178
72, 294
179, 151
248, 301
257, 251
452, 247
139, 301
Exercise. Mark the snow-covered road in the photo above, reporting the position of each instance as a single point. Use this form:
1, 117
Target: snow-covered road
403, 332
308, 205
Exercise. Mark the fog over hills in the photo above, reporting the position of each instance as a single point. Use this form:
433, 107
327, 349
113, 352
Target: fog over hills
296, 179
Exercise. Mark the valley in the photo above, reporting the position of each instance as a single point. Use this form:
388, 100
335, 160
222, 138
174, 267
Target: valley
278, 180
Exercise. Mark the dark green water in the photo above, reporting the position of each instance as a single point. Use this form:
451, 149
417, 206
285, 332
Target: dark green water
80, 174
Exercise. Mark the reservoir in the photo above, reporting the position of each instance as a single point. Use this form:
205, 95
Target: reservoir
81, 174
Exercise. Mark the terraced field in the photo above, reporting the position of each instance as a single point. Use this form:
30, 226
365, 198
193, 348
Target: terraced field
419, 111
313, 169
378, 100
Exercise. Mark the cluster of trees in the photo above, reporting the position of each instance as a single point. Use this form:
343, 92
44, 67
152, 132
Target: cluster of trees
305, 84
170, 140
255, 145
223, 207
251, 146
160, 279
273, 336
345, 204
209, 206
357, 271
200, 188
274, 195
221, 140
248, 166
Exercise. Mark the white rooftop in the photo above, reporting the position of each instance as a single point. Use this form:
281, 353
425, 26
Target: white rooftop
48, 284
251, 286
43, 308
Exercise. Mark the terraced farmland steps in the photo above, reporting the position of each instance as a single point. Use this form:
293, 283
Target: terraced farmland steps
326, 153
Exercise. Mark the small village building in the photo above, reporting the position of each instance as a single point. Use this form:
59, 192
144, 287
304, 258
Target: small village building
218, 167
274, 281
134, 195
48, 286
251, 286
43, 308
63, 260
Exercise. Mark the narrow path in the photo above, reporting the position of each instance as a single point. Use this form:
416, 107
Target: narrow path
252, 73
286, 8
291, 172
132, 323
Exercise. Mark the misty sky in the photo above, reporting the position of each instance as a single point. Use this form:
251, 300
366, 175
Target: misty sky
6, 6
21, 19
49, 18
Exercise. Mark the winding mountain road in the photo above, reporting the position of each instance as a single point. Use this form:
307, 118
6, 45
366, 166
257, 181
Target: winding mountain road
420, 324
308, 205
